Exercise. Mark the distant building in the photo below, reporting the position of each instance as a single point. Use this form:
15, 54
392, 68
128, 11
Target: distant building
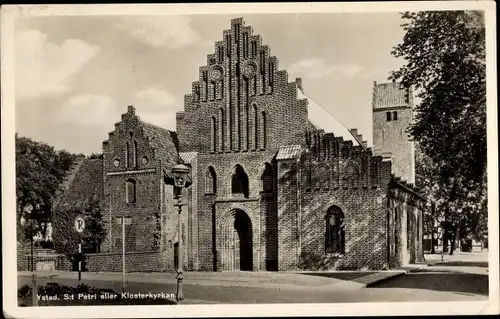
277, 183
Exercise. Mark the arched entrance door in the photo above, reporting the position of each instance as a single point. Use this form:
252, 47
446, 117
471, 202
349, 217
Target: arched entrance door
236, 244
243, 241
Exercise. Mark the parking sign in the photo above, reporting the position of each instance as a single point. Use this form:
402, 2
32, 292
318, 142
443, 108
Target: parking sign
79, 224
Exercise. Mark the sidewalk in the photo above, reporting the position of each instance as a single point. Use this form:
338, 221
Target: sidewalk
458, 257
472, 263
273, 280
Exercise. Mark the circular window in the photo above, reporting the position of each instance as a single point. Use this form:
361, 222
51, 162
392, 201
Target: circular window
144, 160
116, 163
216, 73
249, 69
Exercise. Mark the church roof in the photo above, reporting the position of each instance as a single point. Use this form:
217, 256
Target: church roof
322, 119
164, 142
83, 186
288, 152
390, 95
188, 157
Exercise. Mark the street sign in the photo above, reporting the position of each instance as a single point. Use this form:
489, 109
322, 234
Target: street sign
128, 220
79, 224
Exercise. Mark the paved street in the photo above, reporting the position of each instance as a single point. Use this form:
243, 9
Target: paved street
452, 280
212, 294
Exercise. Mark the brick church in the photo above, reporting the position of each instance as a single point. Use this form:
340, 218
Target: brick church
276, 182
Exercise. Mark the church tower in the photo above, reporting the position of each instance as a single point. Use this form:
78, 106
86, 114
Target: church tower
392, 114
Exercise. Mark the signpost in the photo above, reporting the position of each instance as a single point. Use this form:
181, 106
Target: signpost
123, 254
125, 221
79, 227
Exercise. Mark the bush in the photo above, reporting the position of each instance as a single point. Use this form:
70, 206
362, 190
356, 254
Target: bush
310, 261
24, 292
46, 244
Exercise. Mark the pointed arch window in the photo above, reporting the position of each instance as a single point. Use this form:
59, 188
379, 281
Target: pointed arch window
213, 134
239, 182
268, 179
221, 127
264, 130
334, 232
221, 53
245, 44
256, 127
228, 45
211, 181
130, 191
254, 48
135, 154
127, 151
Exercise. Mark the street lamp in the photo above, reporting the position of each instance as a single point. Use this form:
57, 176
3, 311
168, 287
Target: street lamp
180, 172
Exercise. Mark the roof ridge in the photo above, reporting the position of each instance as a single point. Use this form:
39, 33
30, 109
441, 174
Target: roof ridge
333, 116
70, 175
84, 187
155, 126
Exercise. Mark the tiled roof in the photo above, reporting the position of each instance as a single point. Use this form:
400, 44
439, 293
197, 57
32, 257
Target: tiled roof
389, 95
288, 152
84, 188
164, 142
322, 119
188, 157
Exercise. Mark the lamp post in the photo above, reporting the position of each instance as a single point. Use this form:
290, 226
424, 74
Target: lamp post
180, 172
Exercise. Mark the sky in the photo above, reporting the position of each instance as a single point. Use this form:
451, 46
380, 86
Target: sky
75, 75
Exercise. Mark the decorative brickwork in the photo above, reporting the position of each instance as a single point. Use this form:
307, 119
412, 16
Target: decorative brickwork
264, 179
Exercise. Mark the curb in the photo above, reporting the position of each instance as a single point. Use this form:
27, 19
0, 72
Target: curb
378, 281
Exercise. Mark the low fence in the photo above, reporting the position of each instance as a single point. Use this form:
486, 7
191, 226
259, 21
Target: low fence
100, 262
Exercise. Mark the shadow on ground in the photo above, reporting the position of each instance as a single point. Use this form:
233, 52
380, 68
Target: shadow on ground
348, 276
483, 264
460, 283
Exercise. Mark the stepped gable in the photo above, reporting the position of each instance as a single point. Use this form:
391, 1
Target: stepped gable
239, 57
356, 163
85, 187
163, 141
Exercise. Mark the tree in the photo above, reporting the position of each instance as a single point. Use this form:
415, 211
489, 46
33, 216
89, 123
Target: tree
95, 156
445, 63
40, 170
66, 239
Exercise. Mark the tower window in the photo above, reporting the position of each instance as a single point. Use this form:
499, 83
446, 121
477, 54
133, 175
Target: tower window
394, 115
388, 116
